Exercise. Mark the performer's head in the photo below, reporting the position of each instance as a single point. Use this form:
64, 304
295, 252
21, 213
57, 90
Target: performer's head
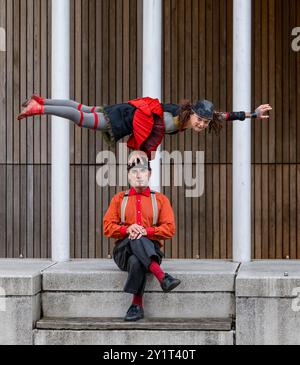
200, 116
139, 170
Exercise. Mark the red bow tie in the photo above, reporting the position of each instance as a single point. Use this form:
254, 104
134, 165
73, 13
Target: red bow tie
146, 192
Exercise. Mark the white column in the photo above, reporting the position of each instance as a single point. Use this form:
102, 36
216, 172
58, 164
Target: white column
242, 131
60, 132
152, 59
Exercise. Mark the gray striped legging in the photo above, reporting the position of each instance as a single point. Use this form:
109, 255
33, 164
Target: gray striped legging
82, 115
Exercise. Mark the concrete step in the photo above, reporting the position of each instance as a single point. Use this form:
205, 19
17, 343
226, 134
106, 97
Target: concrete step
162, 324
94, 288
115, 331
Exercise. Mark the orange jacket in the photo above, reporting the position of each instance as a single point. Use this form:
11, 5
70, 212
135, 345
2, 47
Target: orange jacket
139, 210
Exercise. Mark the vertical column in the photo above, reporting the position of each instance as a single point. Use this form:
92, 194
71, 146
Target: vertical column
60, 132
152, 66
242, 131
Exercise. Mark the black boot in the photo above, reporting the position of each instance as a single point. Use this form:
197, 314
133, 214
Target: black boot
169, 283
134, 313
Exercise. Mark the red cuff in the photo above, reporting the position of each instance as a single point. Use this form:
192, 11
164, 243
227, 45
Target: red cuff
227, 116
123, 230
150, 232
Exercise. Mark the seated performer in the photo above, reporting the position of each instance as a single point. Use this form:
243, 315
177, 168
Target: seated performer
140, 219
145, 120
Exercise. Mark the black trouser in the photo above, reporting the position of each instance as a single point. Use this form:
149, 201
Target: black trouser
135, 256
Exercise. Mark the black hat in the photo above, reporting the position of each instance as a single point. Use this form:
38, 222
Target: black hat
204, 109
139, 163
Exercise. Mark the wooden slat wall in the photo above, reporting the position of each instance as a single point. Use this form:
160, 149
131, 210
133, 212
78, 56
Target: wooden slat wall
276, 144
24, 146
106, 68
198, 64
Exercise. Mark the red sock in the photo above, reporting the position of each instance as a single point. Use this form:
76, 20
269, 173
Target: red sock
137, 300
156, 271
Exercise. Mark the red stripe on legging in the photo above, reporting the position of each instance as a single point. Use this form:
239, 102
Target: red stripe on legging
79, 107
81, 118
93, 109
96, 120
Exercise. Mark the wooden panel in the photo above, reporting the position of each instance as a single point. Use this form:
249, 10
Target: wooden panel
272, 211
44, 209
279, 212
37, 78
265, 212
293, 212
3, 87
23, 211
23, 73
9, 82
9, 212
30, 79
278, 81
272, 80
257, 79
286, 210
257, 212
3, 210
29, 207
37, 211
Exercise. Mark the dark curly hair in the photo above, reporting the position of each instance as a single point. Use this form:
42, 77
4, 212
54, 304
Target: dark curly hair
186, 109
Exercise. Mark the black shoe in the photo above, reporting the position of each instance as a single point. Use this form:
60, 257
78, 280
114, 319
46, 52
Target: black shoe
134, 313
169, 283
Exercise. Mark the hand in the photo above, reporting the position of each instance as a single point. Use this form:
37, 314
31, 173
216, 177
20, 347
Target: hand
136, 231
261, 110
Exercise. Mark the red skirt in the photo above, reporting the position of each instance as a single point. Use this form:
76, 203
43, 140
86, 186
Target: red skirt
148, 125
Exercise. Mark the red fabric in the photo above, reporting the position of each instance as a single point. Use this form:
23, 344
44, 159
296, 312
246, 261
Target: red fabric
81, 118
96, 120
150, 232
33, 108
39, 99
93, 109
138, 210
123, 230
143, 121
146, 192
156, 271
137, 300
227, 116
79, 107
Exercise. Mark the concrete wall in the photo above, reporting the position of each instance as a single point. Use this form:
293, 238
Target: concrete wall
20, 299
268, 303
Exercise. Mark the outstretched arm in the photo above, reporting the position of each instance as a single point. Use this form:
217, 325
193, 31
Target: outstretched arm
259, 113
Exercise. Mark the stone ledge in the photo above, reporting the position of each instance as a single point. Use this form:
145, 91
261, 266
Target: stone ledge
265, 278
128, 337
156, 304
162, 324
22, 277
104, 275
